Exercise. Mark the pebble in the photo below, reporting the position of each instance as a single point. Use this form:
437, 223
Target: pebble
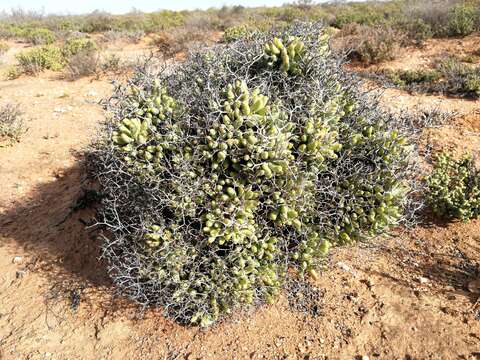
474, 286
343, 266
302, 348
368, 282
423, 280
17, 260
365, 357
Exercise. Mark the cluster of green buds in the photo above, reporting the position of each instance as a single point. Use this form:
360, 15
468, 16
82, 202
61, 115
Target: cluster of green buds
131, 132
240, 103
231, 214
309, 251
369, 209
453, 187
285, 54
157, 236
318, 141
255, 268
141, 137
251, 138
159, 105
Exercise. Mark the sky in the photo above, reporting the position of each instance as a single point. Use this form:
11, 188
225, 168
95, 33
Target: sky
122, 6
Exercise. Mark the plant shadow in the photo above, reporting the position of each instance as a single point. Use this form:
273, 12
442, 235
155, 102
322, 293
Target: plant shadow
52, 228
446, 269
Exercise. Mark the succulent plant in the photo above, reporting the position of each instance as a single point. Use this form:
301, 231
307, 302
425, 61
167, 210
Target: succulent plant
228, 171
453, 187
285, 53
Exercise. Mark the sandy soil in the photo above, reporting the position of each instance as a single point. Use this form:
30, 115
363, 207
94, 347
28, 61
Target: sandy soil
401, 297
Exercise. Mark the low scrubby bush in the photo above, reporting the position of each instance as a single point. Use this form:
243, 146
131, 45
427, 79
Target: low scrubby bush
38, 59
415, 29
409, 79
76, 45
3, 48
453, 187
81, 64
449, 76
78, 55
12, 125
133, 36
40, 36
459, 78
81, 57
463, 19
370, 45
363, 14
97, 21
235, 33
246, 160
112, 63
171, 43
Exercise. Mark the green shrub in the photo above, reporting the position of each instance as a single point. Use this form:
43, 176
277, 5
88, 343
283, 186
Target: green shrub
3, 48
81, 64
38, 59
12, 125
111, 63
409, 78
164, 20
459, 78
40, 36
171, 43
462, 19
472, 83
235, 33
81, 57
450, 76
97, 21
453, 188
133, 36
363, 14
13, 72
417, 30
472, 59
241, 163
74, 46
373, 45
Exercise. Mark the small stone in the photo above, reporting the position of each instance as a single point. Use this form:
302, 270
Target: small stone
343, 266
369, 283
20, 273
17, 260
423, 280
474, 286
365, 357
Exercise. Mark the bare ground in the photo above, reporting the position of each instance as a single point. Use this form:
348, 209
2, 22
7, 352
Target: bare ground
401, 297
